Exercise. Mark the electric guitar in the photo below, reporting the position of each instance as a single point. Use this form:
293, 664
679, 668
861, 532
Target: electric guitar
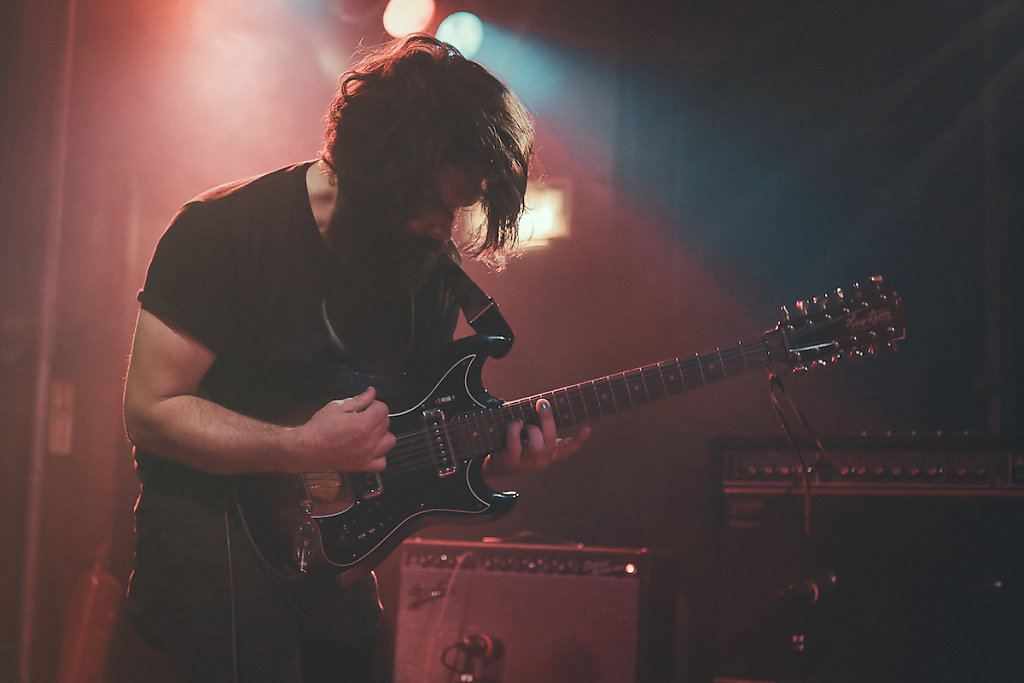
347, 522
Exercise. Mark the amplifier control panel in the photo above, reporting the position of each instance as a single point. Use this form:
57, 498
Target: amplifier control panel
528, 559
877, 465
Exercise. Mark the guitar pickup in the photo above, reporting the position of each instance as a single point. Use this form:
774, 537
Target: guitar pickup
437, 439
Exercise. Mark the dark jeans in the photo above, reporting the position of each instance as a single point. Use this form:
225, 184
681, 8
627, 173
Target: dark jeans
201, 594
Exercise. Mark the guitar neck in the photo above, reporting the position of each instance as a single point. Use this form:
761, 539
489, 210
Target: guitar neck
588, 401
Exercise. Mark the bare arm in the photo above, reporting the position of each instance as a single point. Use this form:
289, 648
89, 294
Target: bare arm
165, 415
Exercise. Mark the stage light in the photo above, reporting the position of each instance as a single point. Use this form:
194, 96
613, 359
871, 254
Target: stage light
464, 31
402, 17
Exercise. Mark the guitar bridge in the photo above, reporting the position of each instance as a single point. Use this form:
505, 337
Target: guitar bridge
367, 484
437, 438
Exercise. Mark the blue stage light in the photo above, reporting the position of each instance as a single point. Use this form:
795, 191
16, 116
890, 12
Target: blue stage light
464, 31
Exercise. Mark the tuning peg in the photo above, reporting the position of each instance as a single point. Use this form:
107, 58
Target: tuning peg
829, 304
801, 306
785, 313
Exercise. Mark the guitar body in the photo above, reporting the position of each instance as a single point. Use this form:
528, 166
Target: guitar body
348, 522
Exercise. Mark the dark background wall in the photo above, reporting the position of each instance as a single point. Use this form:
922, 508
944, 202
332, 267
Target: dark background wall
724, 158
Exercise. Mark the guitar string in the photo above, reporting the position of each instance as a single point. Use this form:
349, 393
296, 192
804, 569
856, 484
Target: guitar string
415, 451
469, 427
419, 453
461, 427
410, 455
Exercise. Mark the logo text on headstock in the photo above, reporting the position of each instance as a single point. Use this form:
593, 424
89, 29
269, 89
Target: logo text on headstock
872, 319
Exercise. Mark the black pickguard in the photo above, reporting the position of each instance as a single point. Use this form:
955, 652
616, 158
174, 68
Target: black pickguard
433, 477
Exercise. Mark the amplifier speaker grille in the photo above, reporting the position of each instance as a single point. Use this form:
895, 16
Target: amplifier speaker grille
543, 614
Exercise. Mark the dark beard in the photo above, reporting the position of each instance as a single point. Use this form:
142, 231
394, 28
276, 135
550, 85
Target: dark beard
384, 260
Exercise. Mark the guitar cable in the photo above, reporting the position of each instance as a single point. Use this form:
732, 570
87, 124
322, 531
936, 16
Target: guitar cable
775, 385
439, 620
231, 593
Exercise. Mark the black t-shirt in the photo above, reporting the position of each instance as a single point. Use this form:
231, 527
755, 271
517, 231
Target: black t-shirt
244, 270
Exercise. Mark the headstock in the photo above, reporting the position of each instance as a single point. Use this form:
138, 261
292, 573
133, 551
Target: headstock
864, 320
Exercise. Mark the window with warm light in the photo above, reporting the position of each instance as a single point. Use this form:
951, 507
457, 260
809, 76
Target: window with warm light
547, 213
545, 219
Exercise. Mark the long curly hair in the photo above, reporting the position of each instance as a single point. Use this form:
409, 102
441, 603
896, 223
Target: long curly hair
413, 105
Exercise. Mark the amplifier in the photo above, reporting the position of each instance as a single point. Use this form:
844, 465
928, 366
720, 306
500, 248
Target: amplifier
912, 568
488, 612
934, 464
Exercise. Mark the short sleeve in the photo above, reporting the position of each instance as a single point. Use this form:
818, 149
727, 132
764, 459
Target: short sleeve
191, 282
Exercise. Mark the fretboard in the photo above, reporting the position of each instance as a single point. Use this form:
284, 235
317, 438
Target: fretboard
484, 432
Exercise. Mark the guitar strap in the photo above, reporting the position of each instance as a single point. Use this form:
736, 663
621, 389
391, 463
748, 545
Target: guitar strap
480, 311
